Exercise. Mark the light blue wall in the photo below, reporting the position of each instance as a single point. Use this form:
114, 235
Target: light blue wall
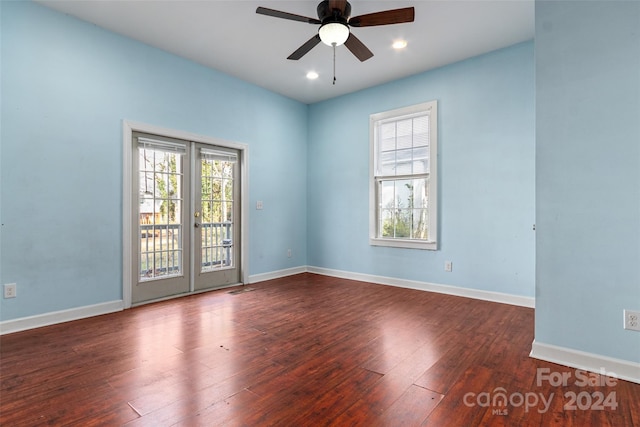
588, 175
486, 176
66, 87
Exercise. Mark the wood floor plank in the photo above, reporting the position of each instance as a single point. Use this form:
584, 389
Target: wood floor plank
328, 406
300, 350
375, 401
221, 413
412, 408
448, 370
454, 409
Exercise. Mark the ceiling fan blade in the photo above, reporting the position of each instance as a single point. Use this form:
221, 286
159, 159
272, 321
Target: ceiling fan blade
358, 48
395, 16
338, 4
286, 15
305, 48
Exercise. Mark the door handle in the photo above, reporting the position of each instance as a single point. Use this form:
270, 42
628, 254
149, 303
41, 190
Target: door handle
196, 225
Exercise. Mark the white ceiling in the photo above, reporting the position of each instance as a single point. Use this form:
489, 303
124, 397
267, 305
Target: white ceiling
229, 36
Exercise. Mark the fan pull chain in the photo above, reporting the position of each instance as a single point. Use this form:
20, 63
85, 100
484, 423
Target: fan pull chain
334, 63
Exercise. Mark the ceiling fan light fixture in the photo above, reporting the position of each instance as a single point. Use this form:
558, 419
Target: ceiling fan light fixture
333, 33
334, 17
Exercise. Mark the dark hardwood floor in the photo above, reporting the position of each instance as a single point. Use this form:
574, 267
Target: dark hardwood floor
305, 350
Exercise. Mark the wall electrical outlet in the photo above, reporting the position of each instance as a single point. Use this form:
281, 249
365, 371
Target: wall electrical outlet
10, 290
631, 320
288, 253
448, 266
259, 205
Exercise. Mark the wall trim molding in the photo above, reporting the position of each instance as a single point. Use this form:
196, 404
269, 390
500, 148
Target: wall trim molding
518, 300
55, 317
52, 318
623, 369
255, 278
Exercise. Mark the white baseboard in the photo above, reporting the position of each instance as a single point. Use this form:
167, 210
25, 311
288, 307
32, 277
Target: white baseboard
37, 321
31, 322
622, 369
255, 278
430, 287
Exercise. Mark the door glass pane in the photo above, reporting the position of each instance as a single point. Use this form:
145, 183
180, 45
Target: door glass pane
217, 206
160, 212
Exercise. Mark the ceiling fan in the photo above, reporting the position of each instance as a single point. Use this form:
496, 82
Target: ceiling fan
334, 18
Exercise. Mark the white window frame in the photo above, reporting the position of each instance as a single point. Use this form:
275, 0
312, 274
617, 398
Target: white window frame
375, 238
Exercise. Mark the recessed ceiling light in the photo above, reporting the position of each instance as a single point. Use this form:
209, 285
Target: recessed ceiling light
399, 44
312, 75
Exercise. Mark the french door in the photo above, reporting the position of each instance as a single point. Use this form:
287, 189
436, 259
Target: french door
186, 213
216, 217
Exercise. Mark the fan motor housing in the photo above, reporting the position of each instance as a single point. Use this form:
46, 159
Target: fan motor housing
325, 14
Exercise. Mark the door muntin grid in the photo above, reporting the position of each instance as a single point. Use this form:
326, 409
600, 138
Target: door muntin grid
218, 209
161, 207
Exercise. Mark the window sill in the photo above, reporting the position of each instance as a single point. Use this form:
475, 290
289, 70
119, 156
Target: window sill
400, 243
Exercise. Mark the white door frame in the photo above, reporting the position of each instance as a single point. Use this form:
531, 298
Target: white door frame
128, 127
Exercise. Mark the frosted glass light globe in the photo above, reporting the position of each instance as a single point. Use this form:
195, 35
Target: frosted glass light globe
334, 32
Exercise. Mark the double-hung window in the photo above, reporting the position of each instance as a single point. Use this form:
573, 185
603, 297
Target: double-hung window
403, 183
